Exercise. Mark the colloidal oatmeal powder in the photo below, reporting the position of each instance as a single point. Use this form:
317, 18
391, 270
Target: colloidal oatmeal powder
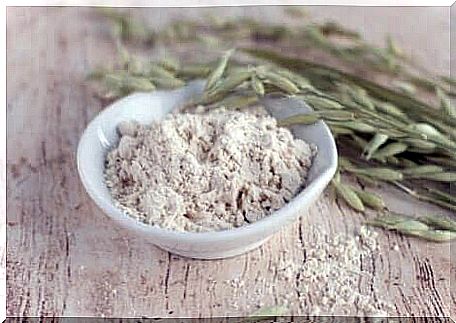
206, 171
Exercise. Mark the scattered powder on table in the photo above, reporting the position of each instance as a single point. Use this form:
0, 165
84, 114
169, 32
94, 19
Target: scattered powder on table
332, 274
206, 171
326, 283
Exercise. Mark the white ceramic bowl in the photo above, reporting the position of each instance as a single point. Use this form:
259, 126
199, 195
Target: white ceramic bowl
101, 136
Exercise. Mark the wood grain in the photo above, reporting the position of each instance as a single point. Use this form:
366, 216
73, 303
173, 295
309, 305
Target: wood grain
65, 258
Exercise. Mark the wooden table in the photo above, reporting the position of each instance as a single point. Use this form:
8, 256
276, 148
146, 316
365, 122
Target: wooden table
65, 258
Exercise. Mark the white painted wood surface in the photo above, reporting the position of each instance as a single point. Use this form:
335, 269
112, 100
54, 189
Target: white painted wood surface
64, 257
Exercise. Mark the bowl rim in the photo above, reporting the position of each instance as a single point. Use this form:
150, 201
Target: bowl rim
267, 225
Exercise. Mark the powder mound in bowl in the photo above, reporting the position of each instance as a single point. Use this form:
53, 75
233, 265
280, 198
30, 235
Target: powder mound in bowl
206, 172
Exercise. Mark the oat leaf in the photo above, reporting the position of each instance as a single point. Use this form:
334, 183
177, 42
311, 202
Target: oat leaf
155, 70
280, 82
420, 143
384, 174
414, 227
439, 222
306, 119
297, 79
230, 82
357, 126
390, 109
217, 73
389, 150
422, 169
336, 131
405, 87
348, 194
167, 83
438, 235
371, 199
321, 103
439, 177
193, 71
373, 145
238, 101
445, 104
257, 85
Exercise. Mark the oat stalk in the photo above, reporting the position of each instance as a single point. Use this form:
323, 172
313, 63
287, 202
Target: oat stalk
399, 139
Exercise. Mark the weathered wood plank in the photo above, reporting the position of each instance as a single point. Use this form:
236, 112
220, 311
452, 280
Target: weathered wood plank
66, 258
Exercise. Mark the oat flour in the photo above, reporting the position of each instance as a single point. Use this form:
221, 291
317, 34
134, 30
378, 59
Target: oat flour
333, 278
206, 171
